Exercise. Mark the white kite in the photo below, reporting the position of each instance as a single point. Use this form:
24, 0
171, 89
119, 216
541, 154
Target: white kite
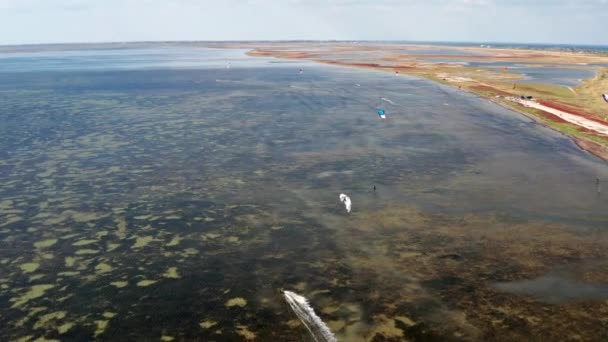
346, 200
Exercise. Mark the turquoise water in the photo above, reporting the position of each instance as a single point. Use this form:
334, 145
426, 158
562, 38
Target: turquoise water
149, 193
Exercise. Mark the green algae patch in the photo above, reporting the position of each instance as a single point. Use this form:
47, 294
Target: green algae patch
175, 241
121, 228
44, 320
29, 267
189, 252
44, 339
109, 314
207, 324
45, 243
49, 172
112, 246
36, 277
84, 242
210, 236
237, 301
405, 320
172, 273
233, 239
114, 169
119, 284
245, 332
142, 241
68, 274
35, 291
70, 261
47, 256
84, 217
102, 233
64, 328
103, 268
86, 251
11, 219
102, 325
54, 221
166, 338
6, 204
69, 236
387, 328
295, 323
146, 282
33, 312
333, 325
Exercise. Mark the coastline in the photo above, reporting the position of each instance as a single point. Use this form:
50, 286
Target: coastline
488, 85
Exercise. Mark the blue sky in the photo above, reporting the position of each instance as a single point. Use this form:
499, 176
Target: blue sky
549, 21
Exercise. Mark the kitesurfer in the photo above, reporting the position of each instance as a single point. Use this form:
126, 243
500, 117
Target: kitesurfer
346, 201
381, 113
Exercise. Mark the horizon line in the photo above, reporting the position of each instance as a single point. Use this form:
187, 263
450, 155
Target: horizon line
308, 41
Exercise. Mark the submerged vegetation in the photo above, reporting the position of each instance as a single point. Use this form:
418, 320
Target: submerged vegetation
163, 205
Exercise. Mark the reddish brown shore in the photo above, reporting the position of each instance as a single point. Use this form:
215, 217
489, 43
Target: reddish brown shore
593, 147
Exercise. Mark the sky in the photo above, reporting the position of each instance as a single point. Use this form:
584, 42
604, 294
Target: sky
514, 21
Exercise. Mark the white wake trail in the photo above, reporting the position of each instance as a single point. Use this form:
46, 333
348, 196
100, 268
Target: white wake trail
387, 100
319, 331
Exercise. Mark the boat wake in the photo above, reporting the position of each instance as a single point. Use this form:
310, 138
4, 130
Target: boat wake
387, 100
317, 328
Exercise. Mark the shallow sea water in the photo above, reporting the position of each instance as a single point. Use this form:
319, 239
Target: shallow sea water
151, 195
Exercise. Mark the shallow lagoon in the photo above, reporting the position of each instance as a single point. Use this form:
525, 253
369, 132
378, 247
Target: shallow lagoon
148, 203
555, 74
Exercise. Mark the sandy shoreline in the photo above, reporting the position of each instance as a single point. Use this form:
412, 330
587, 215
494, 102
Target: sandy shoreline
578, 120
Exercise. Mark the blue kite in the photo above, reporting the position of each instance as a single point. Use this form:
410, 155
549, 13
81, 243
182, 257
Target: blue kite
381, 114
